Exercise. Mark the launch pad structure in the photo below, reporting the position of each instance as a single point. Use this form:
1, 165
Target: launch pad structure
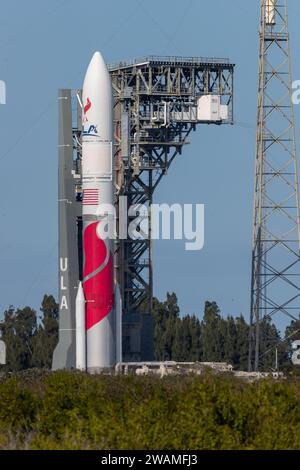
158, 102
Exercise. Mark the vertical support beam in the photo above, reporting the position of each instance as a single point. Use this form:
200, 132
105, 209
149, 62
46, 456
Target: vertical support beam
64, 354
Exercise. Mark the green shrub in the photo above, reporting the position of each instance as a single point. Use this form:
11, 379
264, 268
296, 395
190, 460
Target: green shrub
18, 405
70, 410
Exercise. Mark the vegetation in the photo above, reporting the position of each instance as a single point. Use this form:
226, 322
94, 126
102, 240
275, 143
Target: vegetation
69, 410
216, 338
31, 339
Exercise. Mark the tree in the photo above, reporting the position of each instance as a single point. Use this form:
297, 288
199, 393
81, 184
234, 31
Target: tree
269, 341
165, 317
229, 333
242, 343
160, 315
27, 343
18, 331
196, 346
47, 335
178, 354
212, 336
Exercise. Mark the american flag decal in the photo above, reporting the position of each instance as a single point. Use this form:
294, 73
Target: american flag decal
90, 197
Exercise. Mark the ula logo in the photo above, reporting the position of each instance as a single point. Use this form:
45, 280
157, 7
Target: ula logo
86, 108
2, 92
92, 130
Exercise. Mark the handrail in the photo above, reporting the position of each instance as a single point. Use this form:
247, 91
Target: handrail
176, 60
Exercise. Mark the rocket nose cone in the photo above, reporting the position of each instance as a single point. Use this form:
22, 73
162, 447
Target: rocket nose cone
80, 293
97, 68
97, 61
97, 56
97, 100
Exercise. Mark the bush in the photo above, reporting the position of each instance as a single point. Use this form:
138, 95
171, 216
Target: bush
70, 410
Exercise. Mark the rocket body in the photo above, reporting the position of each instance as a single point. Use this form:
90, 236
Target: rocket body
97, 185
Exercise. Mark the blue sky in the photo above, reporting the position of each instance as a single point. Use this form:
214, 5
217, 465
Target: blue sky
45, 45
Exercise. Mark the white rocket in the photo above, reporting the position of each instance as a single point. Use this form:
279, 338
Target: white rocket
98, 325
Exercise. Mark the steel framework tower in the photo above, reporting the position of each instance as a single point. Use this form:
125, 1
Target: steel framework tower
275, 283
155, 112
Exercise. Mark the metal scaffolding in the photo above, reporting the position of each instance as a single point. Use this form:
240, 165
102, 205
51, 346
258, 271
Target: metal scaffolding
275, 287
155, 111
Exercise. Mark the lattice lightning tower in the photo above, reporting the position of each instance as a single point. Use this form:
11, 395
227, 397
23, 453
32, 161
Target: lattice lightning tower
275, 283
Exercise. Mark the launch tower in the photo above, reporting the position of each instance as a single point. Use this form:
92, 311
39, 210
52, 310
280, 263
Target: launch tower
158, 102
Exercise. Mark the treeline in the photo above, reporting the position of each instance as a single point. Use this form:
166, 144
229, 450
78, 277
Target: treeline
31, 338
217, 338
